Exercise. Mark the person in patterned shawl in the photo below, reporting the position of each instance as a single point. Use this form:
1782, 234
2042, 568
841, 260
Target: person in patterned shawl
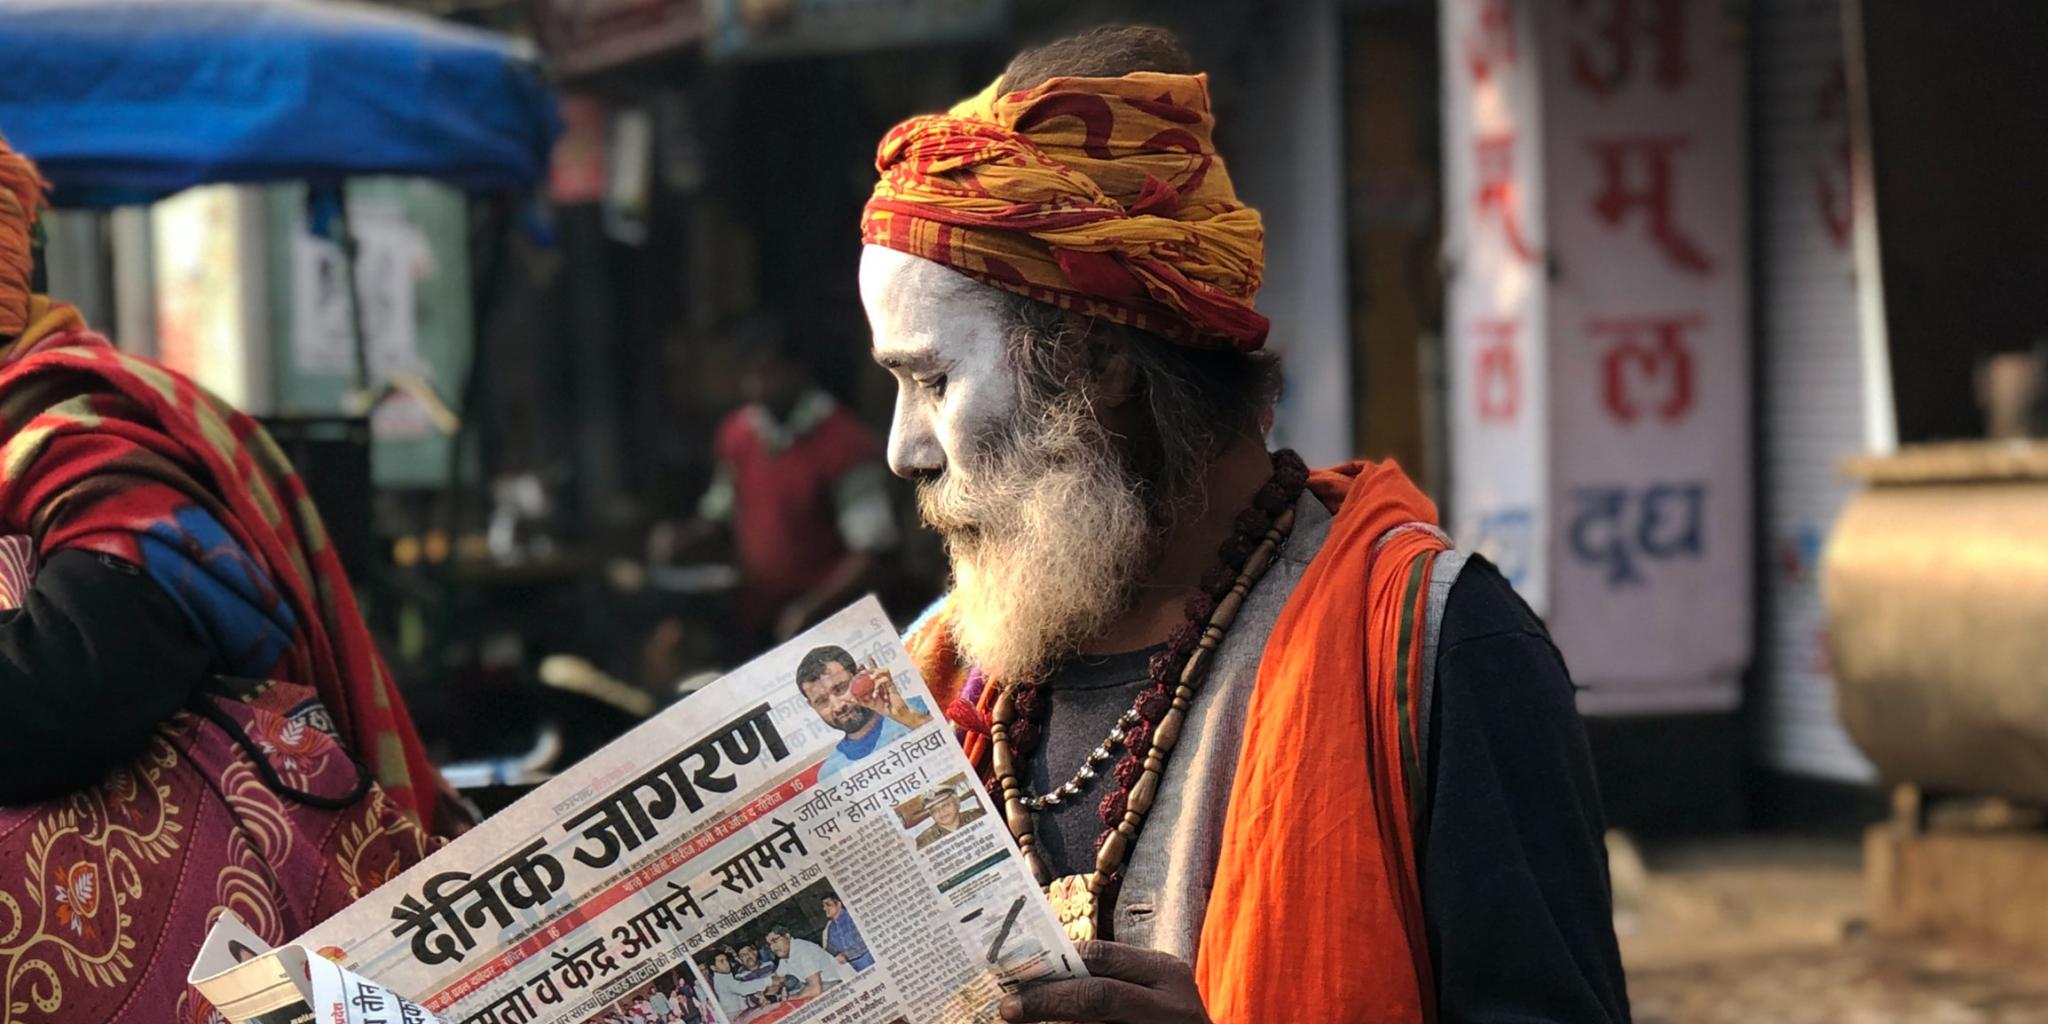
196, 719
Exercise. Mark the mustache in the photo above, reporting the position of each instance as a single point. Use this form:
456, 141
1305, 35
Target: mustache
945, 505
1052, 456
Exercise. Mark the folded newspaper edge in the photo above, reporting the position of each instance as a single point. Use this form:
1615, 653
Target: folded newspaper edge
814, 852
247, 981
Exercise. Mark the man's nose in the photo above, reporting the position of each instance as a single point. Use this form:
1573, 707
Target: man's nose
913, 448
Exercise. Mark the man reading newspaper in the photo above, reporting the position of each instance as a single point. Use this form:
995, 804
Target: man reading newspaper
1263, 728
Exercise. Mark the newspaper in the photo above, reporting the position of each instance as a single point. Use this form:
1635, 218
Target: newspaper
752, 855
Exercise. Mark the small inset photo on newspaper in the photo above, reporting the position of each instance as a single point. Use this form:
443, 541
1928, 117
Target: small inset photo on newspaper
788, 961
860, 699
676, 996
946, 809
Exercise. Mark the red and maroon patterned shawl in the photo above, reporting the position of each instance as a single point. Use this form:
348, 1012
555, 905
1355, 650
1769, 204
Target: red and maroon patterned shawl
283, 797
103, 448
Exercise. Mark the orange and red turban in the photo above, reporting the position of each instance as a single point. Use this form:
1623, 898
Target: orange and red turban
21, 205
1104, 196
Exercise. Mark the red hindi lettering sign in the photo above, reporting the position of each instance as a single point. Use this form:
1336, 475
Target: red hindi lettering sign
1494, 241
1646, 374
1647, 367
1494, 160
1490, 41
1604, 54
1639, 175
1499, 371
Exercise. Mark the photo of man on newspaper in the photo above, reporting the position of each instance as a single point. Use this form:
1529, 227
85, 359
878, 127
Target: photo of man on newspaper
842, 936
774, 966
861, 702
942, 812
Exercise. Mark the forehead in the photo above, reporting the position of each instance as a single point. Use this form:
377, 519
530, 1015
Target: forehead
917, 307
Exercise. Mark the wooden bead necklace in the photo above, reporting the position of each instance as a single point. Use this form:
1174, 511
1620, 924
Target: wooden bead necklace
1151, 729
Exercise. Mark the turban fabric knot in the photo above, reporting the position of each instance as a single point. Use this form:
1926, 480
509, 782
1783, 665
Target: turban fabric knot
1103, 196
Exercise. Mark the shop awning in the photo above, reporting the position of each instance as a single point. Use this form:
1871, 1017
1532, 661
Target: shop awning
130, 100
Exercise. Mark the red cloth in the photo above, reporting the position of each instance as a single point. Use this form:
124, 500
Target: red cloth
103, 447
784, 524
295, 799
117, 883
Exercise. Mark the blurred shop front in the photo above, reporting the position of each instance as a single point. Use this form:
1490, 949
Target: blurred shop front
714, 164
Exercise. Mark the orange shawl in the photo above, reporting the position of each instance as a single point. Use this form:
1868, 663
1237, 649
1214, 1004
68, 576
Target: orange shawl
1317, 911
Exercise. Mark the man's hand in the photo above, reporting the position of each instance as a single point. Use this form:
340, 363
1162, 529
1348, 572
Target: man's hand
841, 958
1129, 985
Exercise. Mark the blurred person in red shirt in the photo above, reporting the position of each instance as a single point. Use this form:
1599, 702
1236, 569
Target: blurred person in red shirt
801, 487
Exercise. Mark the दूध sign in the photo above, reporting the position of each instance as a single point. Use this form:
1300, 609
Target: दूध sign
1598, 332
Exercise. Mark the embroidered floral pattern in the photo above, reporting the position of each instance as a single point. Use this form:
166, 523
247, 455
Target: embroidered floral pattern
289, 743
70, 917
105, 893
77, 893
377, 847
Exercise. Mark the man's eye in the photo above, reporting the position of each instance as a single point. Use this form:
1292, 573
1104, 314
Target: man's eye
935, 385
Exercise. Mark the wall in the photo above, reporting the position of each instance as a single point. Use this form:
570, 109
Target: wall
1286, 156
1394, 222
1811, 390
1958, 157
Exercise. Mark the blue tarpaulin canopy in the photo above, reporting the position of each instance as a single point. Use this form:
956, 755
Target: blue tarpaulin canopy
130, 100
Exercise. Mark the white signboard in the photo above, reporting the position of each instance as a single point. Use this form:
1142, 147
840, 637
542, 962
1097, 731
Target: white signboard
1649, 328
391, 258
1599, 322
1494, 242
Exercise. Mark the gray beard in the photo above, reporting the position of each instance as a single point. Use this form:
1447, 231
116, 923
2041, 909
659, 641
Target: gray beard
1049, 534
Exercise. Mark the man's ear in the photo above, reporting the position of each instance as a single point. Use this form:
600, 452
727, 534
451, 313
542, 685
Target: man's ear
1112, 376
1116, 383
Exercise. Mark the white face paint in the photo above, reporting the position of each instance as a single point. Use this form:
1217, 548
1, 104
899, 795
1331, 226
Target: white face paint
941, 334
1048, 531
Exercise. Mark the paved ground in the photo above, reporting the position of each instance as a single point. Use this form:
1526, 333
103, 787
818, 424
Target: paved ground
1771, 932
